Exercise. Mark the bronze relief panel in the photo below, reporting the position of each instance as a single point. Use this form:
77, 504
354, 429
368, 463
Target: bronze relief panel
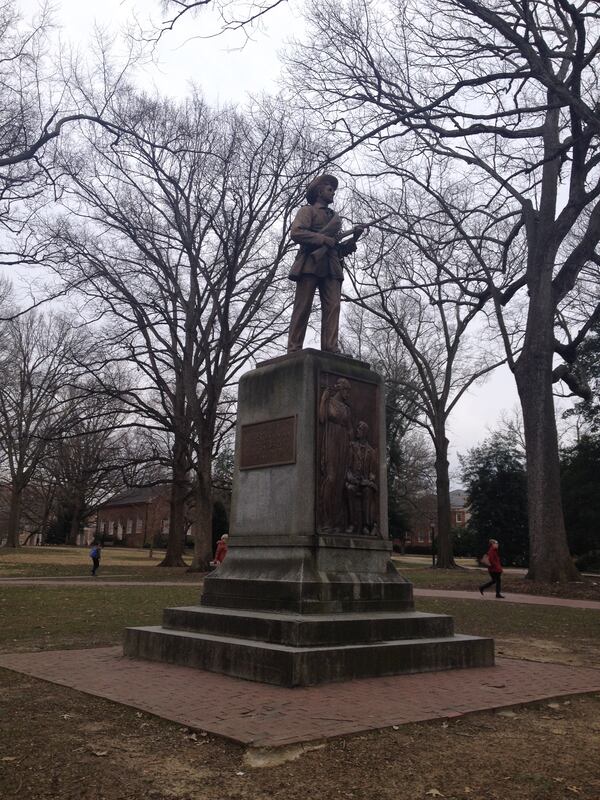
347, 456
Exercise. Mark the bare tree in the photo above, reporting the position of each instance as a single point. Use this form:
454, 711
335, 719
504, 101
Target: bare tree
507, 92
87, 462
41, 93
176, 231
230, 15
398, 281
41, 352
409, 456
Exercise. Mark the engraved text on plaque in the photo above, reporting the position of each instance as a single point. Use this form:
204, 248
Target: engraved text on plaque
268, 444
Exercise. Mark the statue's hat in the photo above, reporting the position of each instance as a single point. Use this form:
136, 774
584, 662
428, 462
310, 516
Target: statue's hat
313, 186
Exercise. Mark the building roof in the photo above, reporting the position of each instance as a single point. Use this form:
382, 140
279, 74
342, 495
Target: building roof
134, 497
459, 498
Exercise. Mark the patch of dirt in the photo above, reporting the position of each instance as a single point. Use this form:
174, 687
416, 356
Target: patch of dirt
577, 653
57, 743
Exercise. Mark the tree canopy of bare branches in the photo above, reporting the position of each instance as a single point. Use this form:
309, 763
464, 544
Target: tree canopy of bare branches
413, 309
506, 93
40, 364
174, 234
231, 15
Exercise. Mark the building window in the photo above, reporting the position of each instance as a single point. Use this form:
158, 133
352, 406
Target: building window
421, 537
460, 516
139, 525
129, 530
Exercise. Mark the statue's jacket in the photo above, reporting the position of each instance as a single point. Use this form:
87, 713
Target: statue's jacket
310, 227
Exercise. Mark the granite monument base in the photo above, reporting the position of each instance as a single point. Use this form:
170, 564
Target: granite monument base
308, 592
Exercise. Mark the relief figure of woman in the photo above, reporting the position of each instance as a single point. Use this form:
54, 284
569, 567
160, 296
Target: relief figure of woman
335, 417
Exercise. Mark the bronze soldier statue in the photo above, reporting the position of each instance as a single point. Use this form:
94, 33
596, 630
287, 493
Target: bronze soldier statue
318, 265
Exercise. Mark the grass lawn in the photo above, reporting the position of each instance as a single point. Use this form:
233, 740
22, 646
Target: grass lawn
424, 577
74, 562
539, 633
89, 616
58, 743
65, 617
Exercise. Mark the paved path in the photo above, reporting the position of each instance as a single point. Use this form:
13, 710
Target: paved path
88, 581
531, 599
262, 715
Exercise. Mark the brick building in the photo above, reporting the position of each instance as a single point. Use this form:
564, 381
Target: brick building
459, 502
135, 518
141, 517
424, 520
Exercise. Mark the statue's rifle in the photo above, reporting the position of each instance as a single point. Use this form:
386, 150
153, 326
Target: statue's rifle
322, 249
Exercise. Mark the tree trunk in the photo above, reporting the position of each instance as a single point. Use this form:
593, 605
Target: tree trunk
445, 556
179, 489
75, 525
46, 520
549, 558
203, 512
14, 517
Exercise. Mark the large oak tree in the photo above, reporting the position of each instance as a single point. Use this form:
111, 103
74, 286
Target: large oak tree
175, 233
506, 93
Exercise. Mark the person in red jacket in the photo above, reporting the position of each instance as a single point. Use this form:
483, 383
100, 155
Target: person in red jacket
221, 550
494, 568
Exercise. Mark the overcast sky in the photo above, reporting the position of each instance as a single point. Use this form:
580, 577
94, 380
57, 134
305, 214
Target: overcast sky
226, 73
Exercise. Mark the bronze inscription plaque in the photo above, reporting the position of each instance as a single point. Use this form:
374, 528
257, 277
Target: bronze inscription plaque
268, 444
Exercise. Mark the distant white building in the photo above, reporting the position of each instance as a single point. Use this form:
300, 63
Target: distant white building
459, 502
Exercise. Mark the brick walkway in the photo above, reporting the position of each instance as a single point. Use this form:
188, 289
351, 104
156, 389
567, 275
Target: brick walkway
261, 715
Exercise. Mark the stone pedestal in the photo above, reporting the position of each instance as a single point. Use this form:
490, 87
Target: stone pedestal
308, 592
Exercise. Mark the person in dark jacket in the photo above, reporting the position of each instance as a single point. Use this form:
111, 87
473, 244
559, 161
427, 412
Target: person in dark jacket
494, 568
95, 555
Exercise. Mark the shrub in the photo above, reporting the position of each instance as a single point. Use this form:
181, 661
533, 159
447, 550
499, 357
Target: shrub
589, 562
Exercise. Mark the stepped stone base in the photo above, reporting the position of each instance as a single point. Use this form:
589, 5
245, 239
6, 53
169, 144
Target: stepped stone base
308, 630
291, 649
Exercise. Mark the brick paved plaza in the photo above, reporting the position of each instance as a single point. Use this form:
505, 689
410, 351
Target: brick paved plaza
262, 715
